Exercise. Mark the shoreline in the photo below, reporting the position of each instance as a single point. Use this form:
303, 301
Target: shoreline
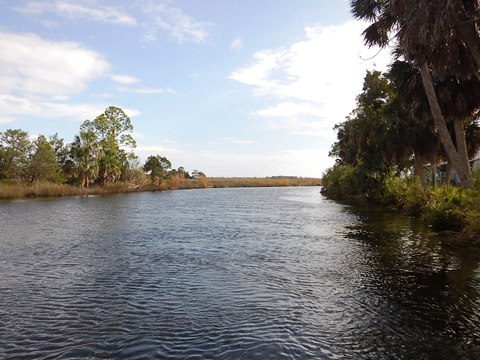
51, 190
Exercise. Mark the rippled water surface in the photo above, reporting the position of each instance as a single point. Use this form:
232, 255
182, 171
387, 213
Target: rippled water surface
230, 274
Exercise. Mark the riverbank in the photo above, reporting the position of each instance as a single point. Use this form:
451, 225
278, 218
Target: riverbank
45, 189
446, 209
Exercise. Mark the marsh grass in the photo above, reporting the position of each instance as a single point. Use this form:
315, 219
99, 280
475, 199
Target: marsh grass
38, 190
262, 182
10, 191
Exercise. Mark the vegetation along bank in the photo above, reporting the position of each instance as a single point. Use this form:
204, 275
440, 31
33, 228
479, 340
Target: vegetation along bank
412, 142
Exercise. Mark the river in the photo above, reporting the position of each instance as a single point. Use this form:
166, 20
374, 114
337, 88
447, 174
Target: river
257, 273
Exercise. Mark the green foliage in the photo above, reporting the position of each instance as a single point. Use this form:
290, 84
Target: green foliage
158, 168
339, 182
111, 133
84, 153
101, 154
447, 208
404, 193
15, 152
43, 164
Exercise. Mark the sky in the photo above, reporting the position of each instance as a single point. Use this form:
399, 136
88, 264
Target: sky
230, 88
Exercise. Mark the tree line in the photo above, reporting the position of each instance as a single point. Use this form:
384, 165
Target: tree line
425, 108
100, 154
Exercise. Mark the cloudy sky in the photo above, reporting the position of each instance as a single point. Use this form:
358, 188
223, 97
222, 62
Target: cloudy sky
232, 88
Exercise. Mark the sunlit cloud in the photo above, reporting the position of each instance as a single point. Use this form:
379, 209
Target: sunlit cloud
84, 10
236, 44
32, 65
147, 90
290, 109
181, 27
12, 107
124, 79
231, 140
311, 84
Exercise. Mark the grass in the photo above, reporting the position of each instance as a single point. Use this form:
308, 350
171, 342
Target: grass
262, 182
21, 191
10, 191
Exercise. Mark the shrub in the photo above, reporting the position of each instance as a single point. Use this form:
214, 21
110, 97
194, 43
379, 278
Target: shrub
339, 182
404, 193
446, 208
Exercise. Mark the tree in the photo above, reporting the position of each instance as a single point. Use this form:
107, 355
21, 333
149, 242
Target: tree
158, 168
442, 40
198, 174
43, 164
15, 151
112, 130
60, 149
84, 153
380, 137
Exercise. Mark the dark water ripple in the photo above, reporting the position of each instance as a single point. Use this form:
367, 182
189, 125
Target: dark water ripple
230, 274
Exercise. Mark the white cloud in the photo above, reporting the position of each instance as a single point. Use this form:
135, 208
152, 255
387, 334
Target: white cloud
12, 107
312, 83
236, 44
32, 65
147, 90
181, 27
86, 10
290, 109
234, 141
124, 79
39, 76
17, 106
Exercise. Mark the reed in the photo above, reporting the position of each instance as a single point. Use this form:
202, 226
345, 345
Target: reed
10, 191
262, 182
36, 190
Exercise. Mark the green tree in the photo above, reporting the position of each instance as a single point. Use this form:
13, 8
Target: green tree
43, 164
15, 151
442, 40
371, 139
84, 153
112, 130
158, 168
60, 149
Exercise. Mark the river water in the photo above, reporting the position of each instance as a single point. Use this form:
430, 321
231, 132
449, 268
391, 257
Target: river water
264, 273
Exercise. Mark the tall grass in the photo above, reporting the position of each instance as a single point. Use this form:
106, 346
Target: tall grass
262, 182
19, 191
10, 191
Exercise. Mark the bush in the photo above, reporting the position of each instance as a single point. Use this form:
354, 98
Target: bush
339, 182
404, 193
446, 208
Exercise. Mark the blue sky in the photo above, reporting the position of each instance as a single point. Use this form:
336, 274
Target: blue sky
231, 88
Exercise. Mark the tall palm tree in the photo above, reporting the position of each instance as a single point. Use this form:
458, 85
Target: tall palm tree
442, 39
85, 152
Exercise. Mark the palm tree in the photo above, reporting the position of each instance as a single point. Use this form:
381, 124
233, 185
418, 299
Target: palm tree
84, 152
442, 40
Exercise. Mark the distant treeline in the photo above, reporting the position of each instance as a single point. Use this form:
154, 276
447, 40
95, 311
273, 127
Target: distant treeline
100, 154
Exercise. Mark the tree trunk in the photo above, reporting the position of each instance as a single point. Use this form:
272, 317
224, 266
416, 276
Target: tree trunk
420, 171
461, 141
462, 167
448, 173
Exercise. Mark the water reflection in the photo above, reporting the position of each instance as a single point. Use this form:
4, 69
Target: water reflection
428, 289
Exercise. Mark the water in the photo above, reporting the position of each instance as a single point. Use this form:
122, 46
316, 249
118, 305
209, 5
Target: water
230, 274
